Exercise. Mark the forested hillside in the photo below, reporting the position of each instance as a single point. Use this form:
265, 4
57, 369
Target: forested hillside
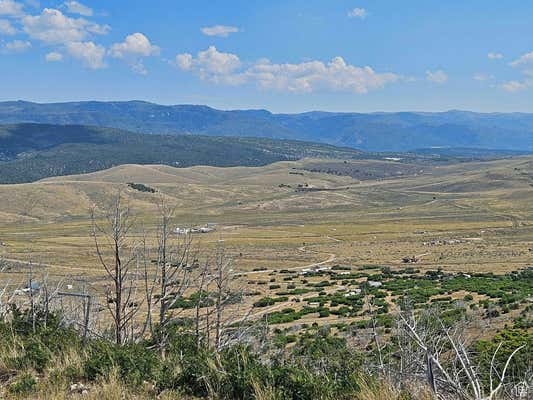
30, 152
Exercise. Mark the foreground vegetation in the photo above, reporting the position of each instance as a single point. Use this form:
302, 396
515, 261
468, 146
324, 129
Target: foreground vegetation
40, 357
183, 336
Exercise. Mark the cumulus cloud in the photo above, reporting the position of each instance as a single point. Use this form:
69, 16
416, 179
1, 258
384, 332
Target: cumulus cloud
134, 48
336, 75
135, 44
75, 7
494, 56
219, 30
213, 65
184, 61
16, 46
438, 76
54, 56
90, 54
357, 13
11, 8
209, 63
6, 28
53, 27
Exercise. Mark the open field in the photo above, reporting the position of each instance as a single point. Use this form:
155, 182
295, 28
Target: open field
469, 217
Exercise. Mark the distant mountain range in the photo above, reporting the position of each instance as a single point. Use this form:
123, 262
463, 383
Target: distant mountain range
401, 131
29, 152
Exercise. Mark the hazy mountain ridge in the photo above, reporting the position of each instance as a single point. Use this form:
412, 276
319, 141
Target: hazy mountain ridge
372, 132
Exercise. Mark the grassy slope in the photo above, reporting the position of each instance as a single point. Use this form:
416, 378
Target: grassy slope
273, 222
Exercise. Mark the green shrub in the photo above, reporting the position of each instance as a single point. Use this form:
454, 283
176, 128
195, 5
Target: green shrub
36, 355
269, 301
508, 340
134, 362
141, 187
23, 385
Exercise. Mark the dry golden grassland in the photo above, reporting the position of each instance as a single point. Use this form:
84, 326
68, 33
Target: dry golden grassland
266, 223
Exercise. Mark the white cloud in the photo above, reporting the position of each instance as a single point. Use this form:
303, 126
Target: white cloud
357, 13
53, 27
336, 75
494, 56
184, 61
135, 44
524, 60
438, 76
54, 56
312, 76
90, 54
517, 86
10, 7
211, 65
134, 48
16, 46
219, 30
6, 28
214, 62
525, 64
75, 7
480, 76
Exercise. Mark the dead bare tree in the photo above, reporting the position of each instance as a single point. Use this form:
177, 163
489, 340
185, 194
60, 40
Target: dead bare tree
114, 235
441, 352
4, 291
33, 291
218, 319
164, 282
227, 322
375, 334
221, 280
202, 282
164, 232
171, 278
149, 288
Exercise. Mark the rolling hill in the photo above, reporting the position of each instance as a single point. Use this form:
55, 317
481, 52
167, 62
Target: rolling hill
456, 200
400, 131
29, 152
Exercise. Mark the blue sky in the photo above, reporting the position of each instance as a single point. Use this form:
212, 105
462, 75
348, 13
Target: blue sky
282, 55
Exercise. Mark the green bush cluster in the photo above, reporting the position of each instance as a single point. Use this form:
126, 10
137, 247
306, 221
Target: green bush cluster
506, 341
199, 298
318, 365
34, 344
141, 187
269, 301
